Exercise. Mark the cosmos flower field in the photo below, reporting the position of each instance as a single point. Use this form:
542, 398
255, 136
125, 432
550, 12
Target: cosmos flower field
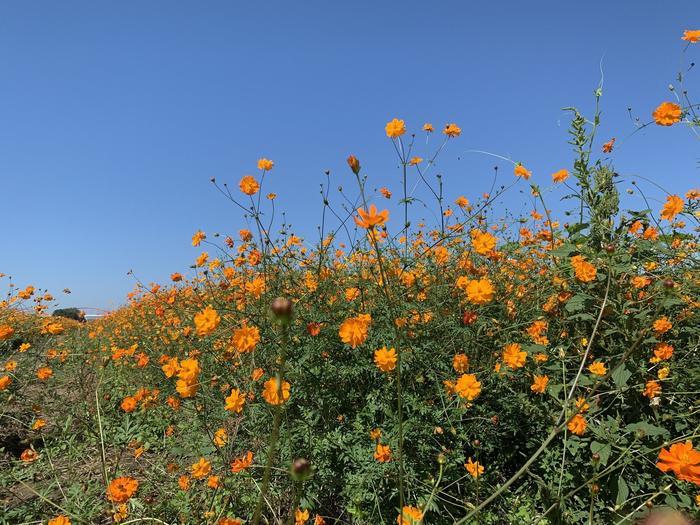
484, 369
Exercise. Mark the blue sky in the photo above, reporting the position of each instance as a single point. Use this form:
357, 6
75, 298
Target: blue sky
115, 115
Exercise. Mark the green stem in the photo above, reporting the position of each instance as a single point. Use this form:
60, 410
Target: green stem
274, 435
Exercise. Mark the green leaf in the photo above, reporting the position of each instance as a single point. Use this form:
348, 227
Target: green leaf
620, 376
576, 303
564, 250
603, 450
622, 491
671, 301
647, 428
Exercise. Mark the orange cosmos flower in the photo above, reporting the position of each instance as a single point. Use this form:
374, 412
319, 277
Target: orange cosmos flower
29, 455
206, 321
467, 387
581, 405
382, 453
352, 293
608, 146
5, 382
538, 332
674, 205
482, 242
667, 114
663, 351
183, 482
577, 425
188, 375
245, 339
59, 520
521, 171
584, 271
479, 291
385, 359
353, 331
265, 164
220, 437
385, 192
229, 521
462, 202
235, 401
301, 516
249, 185
539, 384
662, 325
6, 332
395, 128
201, 469
640, 281
415, 161
241, 463
313, 329
682, 460
202, 259
120, 490
597, 368
189, 370
128, 404
651, 234
452, 130
53, 329
652, 389
474, 468
560, 176
44, 373
428, 127
460, 362
198, 237
271, 391
409, 516
513, 356
371, 219
170, 367
213, 482
691, 36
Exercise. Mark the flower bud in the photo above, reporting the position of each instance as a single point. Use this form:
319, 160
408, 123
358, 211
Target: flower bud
354, 164
282, 308
301, 469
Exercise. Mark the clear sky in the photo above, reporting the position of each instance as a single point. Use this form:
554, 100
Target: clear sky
115, 115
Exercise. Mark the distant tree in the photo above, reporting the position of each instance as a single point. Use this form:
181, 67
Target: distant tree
70, 313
